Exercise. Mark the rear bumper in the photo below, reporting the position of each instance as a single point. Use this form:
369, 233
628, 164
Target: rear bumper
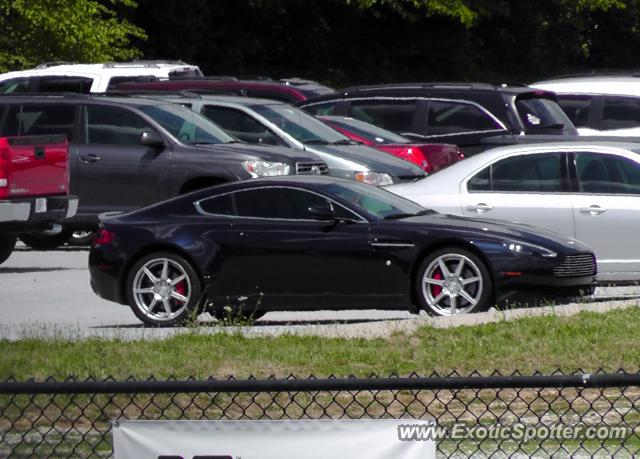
20, 214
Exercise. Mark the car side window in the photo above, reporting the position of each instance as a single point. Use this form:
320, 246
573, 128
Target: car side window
240, 125
114, 126
65, 84
327, 108
219, 205
15, 85
40, 119
276, 203
521, 174
576, 108
395, 115
447, 117
620, 113
607, 174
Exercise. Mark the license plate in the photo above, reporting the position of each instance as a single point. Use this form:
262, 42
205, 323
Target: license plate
41, 205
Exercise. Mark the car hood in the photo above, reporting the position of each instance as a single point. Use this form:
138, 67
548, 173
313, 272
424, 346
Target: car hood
498, 229
374, 160
266, 152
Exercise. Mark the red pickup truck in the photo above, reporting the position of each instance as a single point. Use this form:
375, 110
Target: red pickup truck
34, 187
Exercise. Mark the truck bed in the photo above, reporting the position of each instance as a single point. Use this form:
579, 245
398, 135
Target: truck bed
33, 166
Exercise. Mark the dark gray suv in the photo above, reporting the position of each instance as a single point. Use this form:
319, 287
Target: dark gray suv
126, 153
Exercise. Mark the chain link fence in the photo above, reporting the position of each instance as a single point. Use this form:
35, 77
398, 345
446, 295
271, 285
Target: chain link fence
73, 418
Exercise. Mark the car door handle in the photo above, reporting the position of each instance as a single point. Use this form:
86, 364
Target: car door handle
592, 210
480, 208
90, 158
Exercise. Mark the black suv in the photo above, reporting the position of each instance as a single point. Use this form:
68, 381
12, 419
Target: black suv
126, 153
475, 116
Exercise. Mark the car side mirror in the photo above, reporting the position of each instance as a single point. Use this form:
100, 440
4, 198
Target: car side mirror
321, 213
152, 139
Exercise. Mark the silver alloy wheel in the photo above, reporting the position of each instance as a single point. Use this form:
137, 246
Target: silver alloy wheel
161, 289
452, 284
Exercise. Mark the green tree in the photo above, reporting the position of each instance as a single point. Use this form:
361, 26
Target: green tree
35, 31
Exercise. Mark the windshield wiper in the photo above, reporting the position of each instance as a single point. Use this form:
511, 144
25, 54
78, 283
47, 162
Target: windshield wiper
346, 142
315, 142
552, 126
407, 215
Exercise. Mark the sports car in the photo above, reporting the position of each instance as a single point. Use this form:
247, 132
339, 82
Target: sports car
318, 242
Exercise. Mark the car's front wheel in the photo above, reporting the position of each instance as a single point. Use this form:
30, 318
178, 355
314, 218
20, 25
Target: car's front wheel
453, 281
164, 289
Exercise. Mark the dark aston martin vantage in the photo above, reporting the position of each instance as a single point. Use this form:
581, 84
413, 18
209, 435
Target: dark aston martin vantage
321, 243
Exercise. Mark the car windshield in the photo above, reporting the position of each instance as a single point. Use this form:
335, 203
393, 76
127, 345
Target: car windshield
539, 113
186, 126
373, 200
302, 127
365, 130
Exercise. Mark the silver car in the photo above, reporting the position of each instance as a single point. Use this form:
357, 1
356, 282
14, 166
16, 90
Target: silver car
587, 191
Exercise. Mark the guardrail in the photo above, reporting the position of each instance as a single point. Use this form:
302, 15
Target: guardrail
542, 415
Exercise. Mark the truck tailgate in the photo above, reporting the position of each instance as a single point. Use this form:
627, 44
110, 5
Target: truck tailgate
33, 166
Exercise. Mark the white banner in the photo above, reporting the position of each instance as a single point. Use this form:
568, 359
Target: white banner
304, 439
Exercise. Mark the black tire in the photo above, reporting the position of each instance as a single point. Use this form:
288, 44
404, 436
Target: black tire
82, 238
43, 241
177, 265
454, 290
7, 244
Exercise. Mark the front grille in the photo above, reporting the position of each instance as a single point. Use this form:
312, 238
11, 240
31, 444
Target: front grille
316, 168
576, 266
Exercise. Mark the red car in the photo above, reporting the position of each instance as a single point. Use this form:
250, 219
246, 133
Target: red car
429, 156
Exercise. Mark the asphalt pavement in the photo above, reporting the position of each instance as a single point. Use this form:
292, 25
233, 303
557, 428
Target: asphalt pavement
47, 294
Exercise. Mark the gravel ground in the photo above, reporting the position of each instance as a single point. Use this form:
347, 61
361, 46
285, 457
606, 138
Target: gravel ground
47, 294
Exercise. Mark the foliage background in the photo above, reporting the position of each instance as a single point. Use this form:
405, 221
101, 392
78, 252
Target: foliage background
339, 42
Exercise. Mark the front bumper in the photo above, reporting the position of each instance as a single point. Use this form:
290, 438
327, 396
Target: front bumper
26, 214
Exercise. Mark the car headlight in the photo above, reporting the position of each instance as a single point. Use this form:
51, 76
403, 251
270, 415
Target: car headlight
526, 248
374, 178
265, 168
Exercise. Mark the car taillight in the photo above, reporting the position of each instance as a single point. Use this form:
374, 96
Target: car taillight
103, 237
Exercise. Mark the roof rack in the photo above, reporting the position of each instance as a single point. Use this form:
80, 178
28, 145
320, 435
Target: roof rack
192, 93
432, 85
66, 95
596, 73
295, 81
143, 63
46, 65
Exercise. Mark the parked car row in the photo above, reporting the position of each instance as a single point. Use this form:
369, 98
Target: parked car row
251, 225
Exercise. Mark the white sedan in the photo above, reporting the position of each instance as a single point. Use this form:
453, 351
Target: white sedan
587, 191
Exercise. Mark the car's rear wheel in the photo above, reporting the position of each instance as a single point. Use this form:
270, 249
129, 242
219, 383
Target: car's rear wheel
453, 281
164, 289
82, 237
7, 244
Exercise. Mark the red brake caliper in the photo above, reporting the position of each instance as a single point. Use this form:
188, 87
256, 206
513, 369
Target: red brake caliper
436, 289
181, 288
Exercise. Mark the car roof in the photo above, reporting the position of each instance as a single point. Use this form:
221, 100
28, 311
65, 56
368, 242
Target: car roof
109, 68
439, 86
235, 100
76, 98
593, 84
